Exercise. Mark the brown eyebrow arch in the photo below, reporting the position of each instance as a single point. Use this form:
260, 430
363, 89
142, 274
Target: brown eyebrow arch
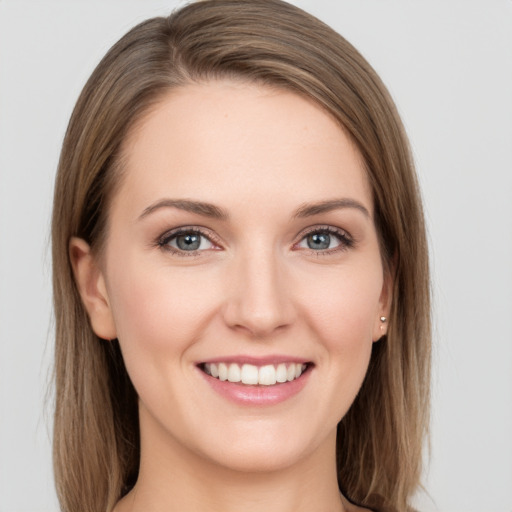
310, 209
198, 207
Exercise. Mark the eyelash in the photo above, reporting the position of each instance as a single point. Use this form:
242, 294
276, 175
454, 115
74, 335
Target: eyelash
163, 241
346, 241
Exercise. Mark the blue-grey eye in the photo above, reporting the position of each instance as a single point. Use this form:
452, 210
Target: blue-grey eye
321, 241
189, 241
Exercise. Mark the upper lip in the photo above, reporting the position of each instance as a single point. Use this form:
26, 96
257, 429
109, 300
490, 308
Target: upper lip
256, 361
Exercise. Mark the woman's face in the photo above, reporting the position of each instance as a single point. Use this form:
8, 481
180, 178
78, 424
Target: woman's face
242, 245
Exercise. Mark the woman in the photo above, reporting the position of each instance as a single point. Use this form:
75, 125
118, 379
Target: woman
240, 274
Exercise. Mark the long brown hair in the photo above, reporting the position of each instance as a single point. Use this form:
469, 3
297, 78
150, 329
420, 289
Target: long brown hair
96, 436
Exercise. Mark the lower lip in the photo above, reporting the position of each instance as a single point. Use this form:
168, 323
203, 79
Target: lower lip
244, 394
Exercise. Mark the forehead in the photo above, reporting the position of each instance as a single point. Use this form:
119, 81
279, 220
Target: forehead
237, 142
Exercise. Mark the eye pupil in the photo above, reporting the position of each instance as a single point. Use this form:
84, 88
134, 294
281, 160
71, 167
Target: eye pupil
319, 241
188, 242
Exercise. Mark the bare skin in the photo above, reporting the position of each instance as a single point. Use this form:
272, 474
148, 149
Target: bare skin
282, 262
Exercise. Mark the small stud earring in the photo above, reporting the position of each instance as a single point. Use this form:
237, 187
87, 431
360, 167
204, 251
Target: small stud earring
383, 319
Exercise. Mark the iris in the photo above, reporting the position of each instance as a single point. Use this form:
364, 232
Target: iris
319, 241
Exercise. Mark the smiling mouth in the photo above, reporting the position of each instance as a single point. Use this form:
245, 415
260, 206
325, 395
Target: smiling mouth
252, 375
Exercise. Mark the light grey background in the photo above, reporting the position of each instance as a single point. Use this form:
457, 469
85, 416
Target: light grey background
448, 63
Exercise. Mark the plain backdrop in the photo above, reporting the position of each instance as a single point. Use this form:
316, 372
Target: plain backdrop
448, 64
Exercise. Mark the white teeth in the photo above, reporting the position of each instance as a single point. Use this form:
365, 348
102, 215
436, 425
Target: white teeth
267, 375
234, 373
223, 371
249, 374
281, 373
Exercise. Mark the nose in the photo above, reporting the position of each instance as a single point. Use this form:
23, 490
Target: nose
258, 299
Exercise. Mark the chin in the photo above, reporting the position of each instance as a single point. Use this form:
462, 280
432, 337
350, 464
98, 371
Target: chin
257, 460
264, 449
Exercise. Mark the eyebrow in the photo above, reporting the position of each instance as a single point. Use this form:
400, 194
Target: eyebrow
310, 209
199, 207
215, 212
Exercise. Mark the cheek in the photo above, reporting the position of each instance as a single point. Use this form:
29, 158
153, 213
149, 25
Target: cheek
344, 304
158, 313
341, 314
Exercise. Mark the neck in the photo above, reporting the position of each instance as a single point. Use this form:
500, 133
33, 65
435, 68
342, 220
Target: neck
172, 479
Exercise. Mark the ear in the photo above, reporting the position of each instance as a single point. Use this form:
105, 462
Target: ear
386, 296
93, 291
